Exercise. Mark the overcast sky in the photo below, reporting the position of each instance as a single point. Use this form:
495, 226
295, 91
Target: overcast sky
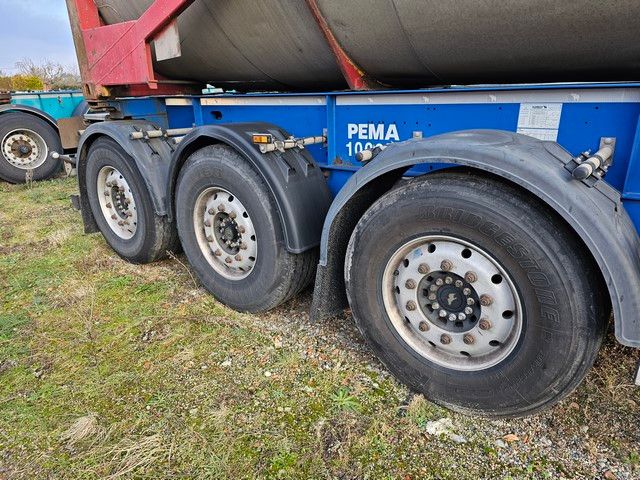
36, 29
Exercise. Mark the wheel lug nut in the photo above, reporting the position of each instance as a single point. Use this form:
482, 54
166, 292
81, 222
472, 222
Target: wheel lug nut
241, 229
221, 208
439, 282
410, 284
217, 253
448, 280
485, 300
442, 313
458, 283
209, 238
207, 223
114, 217
107, 193
238, 258
433, 288
423, 326
445, 339
452, 317
211, 211
232, 215
243, 246
470, 301
109, 205
468, 339
466, 291
470, 277
446, 265
484, 324
432, 296
411, 305
228, 260
468, 310
462, 316
435, 305
423, 268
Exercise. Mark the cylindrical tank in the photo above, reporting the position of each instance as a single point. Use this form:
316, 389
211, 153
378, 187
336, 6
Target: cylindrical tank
277, 44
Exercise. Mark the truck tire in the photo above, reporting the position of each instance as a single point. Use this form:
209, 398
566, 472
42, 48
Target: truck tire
231, 232
26, 145
475, 294
122, 206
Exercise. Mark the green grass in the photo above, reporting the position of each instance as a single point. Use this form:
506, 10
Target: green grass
113, 370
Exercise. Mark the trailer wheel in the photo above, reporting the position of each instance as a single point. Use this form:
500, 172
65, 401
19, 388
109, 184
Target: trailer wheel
26, 145
232, 235
122, 207
475, 294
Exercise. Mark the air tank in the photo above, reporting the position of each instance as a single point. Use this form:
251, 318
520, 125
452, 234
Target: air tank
278, 45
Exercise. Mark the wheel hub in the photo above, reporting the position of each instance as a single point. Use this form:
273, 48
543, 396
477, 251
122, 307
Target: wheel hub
117, 203
452, 303
225, 233
24, 149
449, 301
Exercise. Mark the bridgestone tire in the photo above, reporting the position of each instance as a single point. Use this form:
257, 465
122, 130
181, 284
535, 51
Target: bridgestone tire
155, 236
277, 274
18, 120
564, 309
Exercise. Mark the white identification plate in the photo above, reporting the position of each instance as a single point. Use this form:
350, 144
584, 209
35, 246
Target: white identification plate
540, 120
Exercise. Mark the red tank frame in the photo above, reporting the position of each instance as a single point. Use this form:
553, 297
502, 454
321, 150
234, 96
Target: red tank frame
117, 60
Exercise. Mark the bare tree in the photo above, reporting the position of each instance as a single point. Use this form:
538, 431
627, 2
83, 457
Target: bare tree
54, 75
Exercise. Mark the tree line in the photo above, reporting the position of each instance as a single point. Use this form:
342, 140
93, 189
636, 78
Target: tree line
47, 75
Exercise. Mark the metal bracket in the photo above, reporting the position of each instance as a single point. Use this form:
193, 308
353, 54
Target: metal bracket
590, 168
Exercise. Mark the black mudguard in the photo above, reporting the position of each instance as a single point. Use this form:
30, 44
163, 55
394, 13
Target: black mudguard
295, 180
593, 210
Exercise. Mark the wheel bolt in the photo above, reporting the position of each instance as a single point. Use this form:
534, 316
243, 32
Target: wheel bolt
439, 282
423, 326
211, 211
433, 288
232, 215
470, 277
221, 208
217, 253
228, 260
468, 339
468, 310
411, 305
435, 305
109, 205
410, 284
445, 339
241, 229
470, 301
114, 216
466, 291
462, 316
432, 296
485, 300
442, 313
238, 258
121, 223
484, 324
209, 238
452, 317
207, 223
446, 265
243, 246
423, 268
458, 283
107, 193
448, 280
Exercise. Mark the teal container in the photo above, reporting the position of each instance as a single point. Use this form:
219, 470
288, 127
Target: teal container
59, 105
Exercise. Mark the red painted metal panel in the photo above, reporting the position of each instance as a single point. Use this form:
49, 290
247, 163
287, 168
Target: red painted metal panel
120, 54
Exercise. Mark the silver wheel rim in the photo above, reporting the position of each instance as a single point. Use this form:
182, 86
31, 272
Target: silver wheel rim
452, 303
225, 233
24, 149
117, 203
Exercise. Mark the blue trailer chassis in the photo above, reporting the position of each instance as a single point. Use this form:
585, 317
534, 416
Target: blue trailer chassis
576, 116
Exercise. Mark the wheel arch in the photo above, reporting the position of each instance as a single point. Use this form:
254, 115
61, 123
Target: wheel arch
36, 112
293, 178
593, 212
151, 159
